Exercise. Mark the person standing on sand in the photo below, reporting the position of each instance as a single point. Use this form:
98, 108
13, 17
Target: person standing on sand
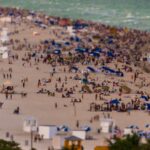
56, 105
77, 124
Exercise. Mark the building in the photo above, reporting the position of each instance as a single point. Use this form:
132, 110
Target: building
30, 124
80, 134
73, 142
107, 125
47, 131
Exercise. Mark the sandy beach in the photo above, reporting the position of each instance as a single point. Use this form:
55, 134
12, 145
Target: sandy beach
57, 82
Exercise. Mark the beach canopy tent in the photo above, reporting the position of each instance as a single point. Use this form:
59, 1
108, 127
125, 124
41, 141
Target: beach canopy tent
146, 98
91, 69
111, 71
114, 102
57, 52
107, 69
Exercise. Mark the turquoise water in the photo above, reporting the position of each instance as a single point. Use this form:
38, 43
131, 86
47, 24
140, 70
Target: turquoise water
130, 13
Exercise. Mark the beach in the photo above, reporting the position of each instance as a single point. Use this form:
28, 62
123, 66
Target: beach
62, 71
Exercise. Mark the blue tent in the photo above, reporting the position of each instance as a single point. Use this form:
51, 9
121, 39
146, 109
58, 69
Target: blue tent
95, 54
91, 69
97, 50
108, 69
57, 52
78, 25
119, 73
115, 102
110, 54
81, 50
144, 98
67, 43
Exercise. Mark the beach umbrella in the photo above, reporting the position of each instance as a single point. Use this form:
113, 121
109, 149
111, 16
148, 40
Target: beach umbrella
133, 127
141, 133
86, 128
97, 50
67, 43
81, 50
147, 126
57, 52
63, 128
110, 54
95, 54
115, 101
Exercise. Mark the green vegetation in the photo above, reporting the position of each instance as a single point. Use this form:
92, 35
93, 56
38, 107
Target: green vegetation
9, 145
130, 142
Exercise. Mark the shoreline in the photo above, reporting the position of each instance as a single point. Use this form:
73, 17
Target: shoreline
74, 20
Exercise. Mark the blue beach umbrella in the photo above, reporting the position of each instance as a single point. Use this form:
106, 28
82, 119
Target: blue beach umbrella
146, 98
95, 54
57, 52
86, 128
133, 127
141, 133
114, 101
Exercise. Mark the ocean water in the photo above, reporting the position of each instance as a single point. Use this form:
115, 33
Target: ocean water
129, 13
